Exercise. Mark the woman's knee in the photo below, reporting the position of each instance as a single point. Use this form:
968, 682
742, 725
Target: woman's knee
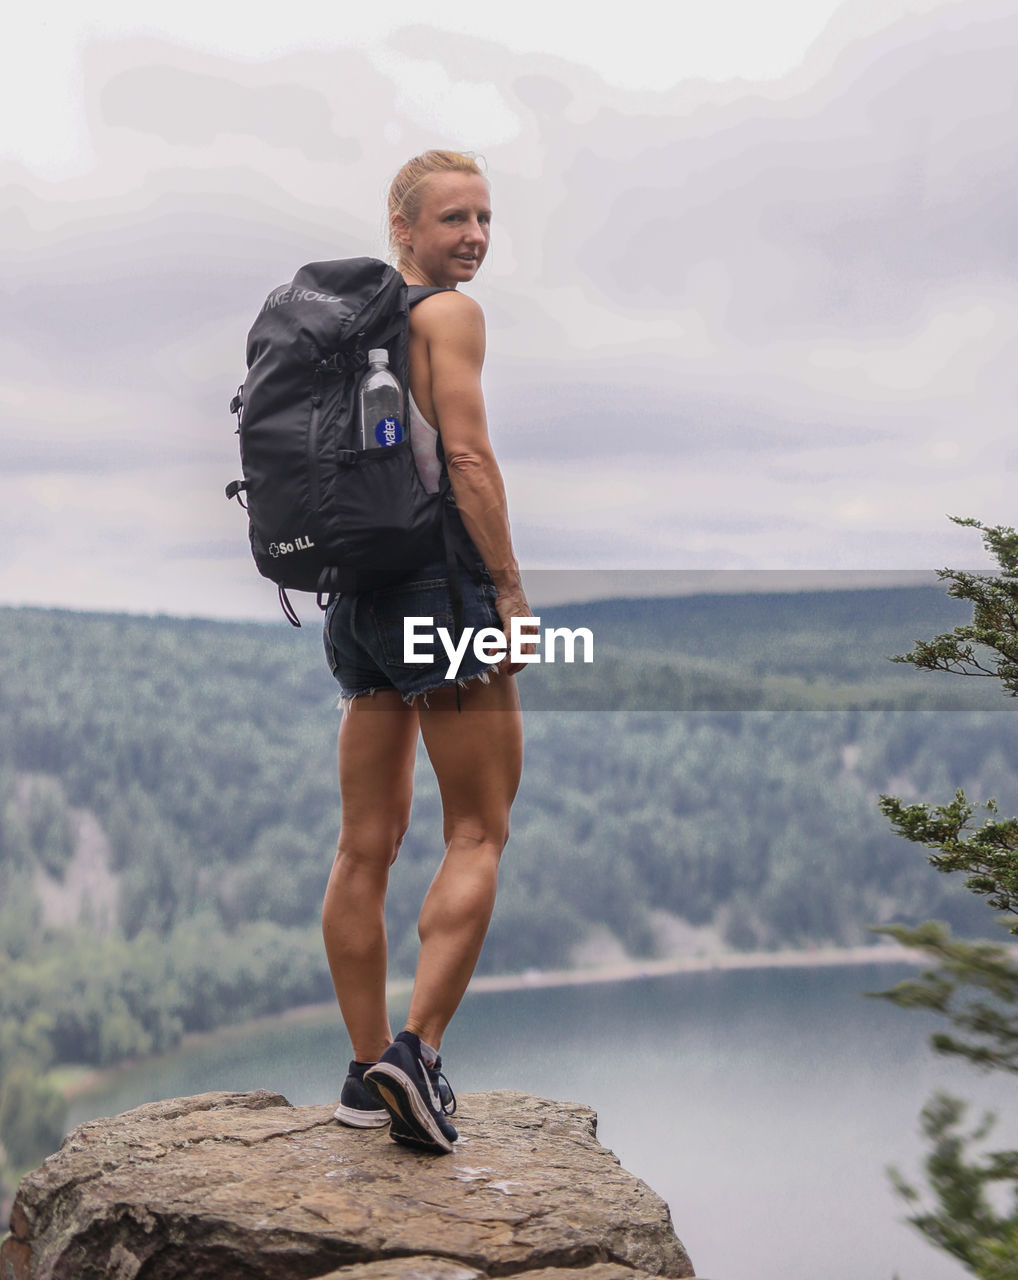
375, 844
490, 835
398, 843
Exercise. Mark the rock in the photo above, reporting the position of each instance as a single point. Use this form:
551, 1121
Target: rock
244, 1186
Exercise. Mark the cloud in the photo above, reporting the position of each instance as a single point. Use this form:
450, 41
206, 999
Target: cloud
742, 324
187, 107
843, 205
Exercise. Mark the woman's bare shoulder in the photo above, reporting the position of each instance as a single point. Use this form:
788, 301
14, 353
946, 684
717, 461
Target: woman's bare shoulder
445, 309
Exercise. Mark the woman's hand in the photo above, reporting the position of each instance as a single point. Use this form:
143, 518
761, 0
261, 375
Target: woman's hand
513, 604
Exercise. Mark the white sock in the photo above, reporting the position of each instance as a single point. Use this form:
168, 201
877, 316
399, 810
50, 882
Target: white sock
429, 1056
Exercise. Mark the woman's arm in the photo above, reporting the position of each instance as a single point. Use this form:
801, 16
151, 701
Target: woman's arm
452, 326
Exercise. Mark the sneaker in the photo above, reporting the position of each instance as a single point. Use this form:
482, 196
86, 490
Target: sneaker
410, 1094
445, 1096
358, 1106
399, 1132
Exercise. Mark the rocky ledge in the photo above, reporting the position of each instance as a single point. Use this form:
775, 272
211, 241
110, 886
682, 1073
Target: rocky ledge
244, 1186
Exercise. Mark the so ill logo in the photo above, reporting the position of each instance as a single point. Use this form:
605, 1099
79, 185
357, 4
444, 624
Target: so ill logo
277, 549
526, 643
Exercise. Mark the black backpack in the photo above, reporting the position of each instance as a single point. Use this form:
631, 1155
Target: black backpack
326, 515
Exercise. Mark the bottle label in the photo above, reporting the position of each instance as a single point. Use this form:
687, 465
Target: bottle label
388, 431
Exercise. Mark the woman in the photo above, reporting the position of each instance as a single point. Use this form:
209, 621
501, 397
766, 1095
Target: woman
439, 223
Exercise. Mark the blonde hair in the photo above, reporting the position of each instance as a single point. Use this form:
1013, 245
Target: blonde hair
405, 192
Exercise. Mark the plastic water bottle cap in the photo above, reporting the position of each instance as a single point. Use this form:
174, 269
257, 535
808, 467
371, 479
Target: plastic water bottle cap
378, 355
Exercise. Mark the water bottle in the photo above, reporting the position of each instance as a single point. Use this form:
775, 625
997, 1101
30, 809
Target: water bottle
381, 403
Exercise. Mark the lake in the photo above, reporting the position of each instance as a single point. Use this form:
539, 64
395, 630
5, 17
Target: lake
763, 1105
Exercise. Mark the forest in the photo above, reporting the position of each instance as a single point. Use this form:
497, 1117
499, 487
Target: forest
169, 809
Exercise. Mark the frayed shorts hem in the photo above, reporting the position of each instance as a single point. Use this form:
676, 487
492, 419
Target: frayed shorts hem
346, 700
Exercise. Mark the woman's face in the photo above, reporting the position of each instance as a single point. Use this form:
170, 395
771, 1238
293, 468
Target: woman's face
448, 240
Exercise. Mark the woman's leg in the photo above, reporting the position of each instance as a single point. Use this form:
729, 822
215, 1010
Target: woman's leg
377, 746
477, 755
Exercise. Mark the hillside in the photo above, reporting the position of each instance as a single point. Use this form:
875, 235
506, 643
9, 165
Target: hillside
757, 651
168, 806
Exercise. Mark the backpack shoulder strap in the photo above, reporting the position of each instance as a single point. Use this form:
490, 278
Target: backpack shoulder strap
418, 292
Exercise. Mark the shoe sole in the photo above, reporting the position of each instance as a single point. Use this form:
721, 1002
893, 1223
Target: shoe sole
358, 1119
399, 1094
398, 1132
407, 1139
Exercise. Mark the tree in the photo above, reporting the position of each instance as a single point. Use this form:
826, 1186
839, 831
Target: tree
31, 1118
988, 645
987, 855
974, 985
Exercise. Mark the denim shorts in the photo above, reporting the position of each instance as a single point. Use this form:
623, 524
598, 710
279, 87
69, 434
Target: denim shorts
364, 633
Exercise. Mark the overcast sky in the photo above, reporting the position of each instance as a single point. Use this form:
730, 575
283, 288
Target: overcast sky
751, 296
